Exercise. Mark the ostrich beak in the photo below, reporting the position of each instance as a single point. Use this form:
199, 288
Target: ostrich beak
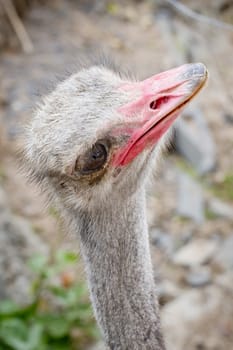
155, 104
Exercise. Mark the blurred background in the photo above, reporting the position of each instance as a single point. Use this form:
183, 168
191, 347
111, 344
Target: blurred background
44, 302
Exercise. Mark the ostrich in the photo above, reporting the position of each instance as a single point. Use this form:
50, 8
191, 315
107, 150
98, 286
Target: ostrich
91, 146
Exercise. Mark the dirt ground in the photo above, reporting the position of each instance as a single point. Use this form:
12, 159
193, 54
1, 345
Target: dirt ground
144, 37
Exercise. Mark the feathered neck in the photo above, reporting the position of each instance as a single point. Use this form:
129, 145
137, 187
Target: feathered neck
115, 247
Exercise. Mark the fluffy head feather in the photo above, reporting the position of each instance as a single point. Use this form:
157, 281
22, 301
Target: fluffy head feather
80, 111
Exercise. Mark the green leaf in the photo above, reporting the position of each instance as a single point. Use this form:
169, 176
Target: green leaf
14, 333
66, 258
9, 309
30, 327
57, 326
80, 316
72, 296
38, 263
35, 336
4, 347
60, 344
59, 291
79, 291
21, 336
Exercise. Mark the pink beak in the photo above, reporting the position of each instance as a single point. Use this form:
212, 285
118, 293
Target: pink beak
156, 103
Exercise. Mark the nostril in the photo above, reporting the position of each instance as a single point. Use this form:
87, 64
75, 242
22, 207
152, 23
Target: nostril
153, 104
156, 104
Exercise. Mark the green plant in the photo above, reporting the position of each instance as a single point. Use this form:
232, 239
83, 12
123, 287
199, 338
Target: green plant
224, 189
210, 215
59, 316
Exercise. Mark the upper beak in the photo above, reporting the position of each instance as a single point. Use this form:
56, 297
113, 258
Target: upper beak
155, 104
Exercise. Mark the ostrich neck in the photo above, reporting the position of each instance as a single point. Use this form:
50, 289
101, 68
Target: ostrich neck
115, 247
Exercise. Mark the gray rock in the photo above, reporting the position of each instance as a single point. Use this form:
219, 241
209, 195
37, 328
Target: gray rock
2, 289
98, 346
224, 257
199, 276
162, 240
225, 281
186, 317
221, 209
18, 243
151, 213
3, 202
167, 291
228, 118
190, 199
193, 140
195, 253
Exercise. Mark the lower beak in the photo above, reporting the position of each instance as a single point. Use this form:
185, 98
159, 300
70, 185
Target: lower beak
155, 105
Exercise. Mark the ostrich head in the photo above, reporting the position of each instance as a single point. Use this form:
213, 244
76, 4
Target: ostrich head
97, 132
90, 145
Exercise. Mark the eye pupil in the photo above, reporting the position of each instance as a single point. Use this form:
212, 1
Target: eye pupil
97, 152
94, 159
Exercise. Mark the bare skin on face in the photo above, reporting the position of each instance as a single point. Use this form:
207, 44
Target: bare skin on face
161, 99
90, 146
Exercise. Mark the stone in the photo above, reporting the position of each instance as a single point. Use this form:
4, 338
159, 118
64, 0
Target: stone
221, 209
185, 318
162, 240
167, 291
18, 243
224, 257
98, 346
2, 289
3, 201
199, 276
150, 212
196, 252
228, 118
194, 142
190, 202
225, 281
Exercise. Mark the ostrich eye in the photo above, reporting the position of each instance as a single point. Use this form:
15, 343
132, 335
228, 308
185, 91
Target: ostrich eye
93, 160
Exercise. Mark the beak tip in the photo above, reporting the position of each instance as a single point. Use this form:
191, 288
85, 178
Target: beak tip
196, 71
202, 70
